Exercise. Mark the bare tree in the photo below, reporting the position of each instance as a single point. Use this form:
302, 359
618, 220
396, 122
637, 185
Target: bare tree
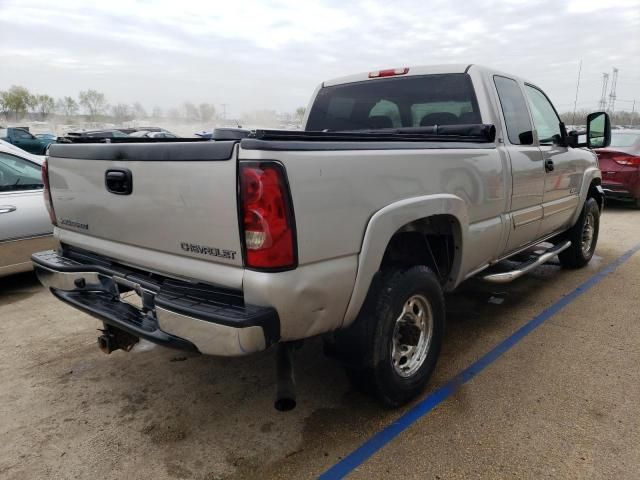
5, 103
16, 101
94, 102
139, 111
157, 112
67, 106
207, 112
121, 112
45, 105
191, 112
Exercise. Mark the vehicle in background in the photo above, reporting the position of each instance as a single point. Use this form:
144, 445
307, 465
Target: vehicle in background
152, 134
204, 134
105, 133
130, 130
46, 136
21, 152
620, 165
25, 225
20, 137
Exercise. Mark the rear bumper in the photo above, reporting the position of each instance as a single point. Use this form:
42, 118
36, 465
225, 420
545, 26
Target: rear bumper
177, 314
620, 192
624, 184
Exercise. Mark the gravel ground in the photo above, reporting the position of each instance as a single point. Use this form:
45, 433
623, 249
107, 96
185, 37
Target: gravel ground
563, 403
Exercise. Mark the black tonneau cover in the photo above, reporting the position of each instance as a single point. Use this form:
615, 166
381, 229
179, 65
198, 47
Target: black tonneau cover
143, 151
137, 148
476, 133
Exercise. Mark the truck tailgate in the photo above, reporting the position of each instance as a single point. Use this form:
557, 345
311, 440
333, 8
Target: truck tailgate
182, 202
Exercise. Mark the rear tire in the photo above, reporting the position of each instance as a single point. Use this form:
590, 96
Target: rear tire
395, 341
583, 236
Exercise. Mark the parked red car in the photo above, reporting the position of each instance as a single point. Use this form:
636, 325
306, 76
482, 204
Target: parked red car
620, 165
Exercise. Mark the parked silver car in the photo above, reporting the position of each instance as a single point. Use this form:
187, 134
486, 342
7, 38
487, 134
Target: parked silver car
25, 226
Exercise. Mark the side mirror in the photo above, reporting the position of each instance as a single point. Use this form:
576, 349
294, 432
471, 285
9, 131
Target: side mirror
598, 130
526, 138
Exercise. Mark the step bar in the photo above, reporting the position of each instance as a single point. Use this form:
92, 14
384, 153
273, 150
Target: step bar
506, 277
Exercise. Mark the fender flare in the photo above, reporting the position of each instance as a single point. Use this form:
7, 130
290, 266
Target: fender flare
385, 223
590, 175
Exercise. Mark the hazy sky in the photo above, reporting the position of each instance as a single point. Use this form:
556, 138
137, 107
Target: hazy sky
271, 54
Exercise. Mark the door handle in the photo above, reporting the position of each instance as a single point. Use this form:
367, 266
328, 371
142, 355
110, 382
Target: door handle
119, 181
548, 165
7, 208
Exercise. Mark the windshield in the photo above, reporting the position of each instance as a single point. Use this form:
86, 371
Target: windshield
417, 101
624, 139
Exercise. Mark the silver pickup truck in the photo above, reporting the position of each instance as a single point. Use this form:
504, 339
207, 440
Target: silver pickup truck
403, 184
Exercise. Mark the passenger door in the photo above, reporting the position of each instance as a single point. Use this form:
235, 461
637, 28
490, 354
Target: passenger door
564, 169
527, 168
24, 222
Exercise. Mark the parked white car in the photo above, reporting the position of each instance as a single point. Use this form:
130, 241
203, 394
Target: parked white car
25, 226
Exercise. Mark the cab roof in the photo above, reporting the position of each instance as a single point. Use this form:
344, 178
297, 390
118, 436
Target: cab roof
415, 70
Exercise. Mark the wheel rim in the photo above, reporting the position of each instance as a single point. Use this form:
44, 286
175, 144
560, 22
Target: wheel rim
412, 336
587, 233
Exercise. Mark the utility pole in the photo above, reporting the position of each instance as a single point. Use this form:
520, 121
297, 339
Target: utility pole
575, 102
633, 113
612, 95
224, 111
603, 96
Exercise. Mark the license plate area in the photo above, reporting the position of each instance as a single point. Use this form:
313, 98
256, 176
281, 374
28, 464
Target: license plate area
133, 294
133, 299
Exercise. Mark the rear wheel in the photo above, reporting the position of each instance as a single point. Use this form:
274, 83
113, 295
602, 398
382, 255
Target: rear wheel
395, 342
583, 236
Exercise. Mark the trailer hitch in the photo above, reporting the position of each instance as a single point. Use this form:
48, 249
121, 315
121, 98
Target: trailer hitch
113, 339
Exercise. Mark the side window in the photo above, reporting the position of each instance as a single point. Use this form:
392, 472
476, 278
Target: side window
23, 135
514, 109
17, 174
544, 116
385, 114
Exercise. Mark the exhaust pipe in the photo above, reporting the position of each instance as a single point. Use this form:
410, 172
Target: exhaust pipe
113, 339
286, 389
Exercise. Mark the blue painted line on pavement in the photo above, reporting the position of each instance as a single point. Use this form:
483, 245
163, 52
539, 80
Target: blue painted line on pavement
383, 437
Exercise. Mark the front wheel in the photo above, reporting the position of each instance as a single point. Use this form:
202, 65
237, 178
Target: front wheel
583, 236
399, 335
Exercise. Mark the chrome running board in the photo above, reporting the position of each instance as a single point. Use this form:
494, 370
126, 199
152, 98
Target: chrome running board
506, 277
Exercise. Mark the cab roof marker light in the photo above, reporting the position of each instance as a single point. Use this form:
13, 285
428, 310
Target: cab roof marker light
391, 72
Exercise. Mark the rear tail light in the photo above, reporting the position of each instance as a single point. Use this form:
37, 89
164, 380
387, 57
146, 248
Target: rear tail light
626, 160
267, 216
48, 201
392, 72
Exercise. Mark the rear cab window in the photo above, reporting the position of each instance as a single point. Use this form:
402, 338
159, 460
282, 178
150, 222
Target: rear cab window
415, 101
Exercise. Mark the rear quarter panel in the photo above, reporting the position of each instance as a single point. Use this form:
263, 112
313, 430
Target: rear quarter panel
337, 193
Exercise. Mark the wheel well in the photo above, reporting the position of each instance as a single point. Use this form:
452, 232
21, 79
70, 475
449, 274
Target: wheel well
596, 192
432, 241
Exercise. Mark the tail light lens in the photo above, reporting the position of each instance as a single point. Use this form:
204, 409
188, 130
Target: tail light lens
267, 216
48, 201
626, 160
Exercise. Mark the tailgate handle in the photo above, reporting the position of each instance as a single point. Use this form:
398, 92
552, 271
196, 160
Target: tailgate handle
119, 181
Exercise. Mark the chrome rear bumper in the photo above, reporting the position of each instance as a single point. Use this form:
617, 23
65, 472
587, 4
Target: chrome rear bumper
176, 314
